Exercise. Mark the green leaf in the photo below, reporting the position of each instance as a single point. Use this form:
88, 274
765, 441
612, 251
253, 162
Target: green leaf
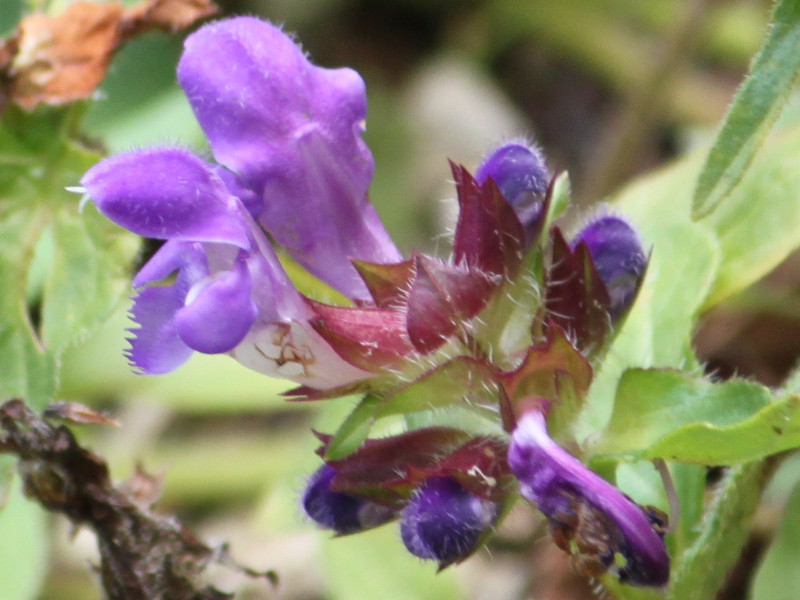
684, 261
23, 550
759, 223
668, 414
754, 110
755, 228
26, 370
684, 264
61, 272
776, 578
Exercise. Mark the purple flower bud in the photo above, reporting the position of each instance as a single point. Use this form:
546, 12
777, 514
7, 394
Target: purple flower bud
521, 175
340, 512
620, 260
588, 516
445, 522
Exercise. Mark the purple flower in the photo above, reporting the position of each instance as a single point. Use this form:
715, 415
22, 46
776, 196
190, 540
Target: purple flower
445, 522
520, 173
291, 131
291, 163
587, 513
342, 513
619, 257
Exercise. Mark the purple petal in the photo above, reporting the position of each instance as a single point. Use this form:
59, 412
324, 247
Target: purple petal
156, 347
521, 175
219, 314
251, 201
166, 193
292, 131
445, 522
341, 512
174, 255
619, 257
575, 499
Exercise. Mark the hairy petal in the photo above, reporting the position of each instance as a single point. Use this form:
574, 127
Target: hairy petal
445, 522
343, 513
292, 132
156, 347
619, 257
166, 193
520, 173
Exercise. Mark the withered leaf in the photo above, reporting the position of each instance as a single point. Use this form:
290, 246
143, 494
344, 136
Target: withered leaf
63, 58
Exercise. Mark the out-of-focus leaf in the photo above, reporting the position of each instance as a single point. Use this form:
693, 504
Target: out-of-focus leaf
683, 267
74, 45
756, 227
375, 564
24, 547
96, 369
776, 578
164, 118
754, 110
86, 266
668, 414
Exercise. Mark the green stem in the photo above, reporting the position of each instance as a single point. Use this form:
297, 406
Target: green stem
702, 569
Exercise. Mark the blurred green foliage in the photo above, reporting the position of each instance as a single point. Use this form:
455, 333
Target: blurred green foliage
570, 73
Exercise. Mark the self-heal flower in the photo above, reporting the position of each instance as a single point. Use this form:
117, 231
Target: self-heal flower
445, 522
291, 163
343, 513
588, 516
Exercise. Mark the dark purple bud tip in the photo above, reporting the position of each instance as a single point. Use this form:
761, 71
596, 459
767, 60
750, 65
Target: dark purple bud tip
340, 512
602, 528
445, 522
619, 257
521, 175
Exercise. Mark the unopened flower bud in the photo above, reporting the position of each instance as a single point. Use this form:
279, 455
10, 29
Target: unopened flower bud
602, 527
340, 512
619, 257
445, 522
521, 176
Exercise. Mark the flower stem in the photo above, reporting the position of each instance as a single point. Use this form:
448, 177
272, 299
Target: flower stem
725, 529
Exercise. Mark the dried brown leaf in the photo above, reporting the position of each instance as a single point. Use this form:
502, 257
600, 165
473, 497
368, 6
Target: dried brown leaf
167, 15
63, 58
